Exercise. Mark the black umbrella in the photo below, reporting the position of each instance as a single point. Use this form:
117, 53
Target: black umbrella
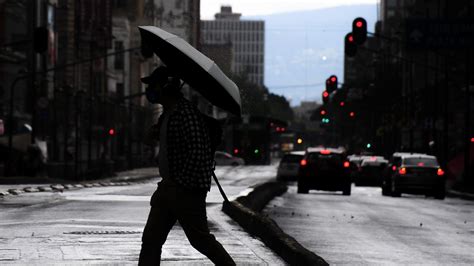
196, 69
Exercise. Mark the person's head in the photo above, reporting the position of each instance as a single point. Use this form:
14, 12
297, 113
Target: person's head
163, 87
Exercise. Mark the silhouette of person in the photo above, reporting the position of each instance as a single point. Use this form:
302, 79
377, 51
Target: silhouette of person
185, 163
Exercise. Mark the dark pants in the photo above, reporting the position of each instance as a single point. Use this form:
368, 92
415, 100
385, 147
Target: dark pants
171, 204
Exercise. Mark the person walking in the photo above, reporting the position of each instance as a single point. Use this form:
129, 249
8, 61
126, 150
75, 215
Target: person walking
185, 163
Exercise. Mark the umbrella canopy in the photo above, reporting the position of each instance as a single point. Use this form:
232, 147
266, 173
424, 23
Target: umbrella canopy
193, 67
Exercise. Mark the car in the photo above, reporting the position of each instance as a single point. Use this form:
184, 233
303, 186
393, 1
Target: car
417, 174
224, 158
389, 169
355, 162
324, 169
371, 171
289, 166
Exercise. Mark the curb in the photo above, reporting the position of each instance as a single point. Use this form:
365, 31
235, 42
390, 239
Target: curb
245, 211
462, 195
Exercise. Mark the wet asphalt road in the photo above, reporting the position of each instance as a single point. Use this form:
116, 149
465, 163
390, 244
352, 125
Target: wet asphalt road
367, 228
103, 225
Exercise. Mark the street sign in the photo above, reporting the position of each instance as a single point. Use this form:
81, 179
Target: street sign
439, 34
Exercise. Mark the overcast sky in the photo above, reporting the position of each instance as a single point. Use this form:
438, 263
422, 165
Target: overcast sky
265, 7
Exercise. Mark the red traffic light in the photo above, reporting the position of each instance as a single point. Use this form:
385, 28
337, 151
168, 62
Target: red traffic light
111, 132
323, 112
342, 103
351, 114
359, 30
333, 79
350, 47
325, 96
236, 151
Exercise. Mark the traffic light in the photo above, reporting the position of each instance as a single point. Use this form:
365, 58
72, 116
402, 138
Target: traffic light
331, 84
350, 48
325, 120
111, 132
299, 141
352, 114
40, 39
323, 112
342, 104
359, 30
325, 96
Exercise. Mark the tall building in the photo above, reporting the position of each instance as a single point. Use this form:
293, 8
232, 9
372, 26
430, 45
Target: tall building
246, 38
420, 95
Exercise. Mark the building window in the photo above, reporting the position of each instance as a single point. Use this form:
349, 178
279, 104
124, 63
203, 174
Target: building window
391, 3
119, 90
119, 58
119, 3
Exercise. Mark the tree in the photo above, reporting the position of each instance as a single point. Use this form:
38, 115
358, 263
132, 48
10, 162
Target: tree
258, 101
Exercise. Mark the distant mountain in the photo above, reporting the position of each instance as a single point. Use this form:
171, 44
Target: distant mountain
306, 47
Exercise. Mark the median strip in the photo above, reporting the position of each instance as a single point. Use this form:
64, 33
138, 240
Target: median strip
245, 211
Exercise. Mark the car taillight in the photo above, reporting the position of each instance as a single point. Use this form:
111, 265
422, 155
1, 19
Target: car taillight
346, 164
394, 168
325, 152
303, 162
440, 172
402, 171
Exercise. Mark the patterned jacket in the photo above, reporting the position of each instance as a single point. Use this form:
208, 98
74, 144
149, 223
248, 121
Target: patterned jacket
189, 152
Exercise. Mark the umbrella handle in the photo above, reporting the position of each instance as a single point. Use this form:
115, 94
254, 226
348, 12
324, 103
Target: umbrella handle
220, 188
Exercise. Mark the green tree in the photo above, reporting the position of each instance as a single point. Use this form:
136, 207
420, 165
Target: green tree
258, 101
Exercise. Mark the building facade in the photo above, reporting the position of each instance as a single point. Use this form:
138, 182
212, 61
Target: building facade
422, 90
246, 37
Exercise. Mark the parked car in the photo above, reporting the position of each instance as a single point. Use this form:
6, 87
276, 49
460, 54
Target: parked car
224, 158
289, 166
416, 174
324, 169
371, 171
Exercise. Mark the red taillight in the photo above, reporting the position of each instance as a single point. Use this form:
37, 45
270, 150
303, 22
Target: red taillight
303, 162
394, 168
325, 152
346, 164
421, 164
402, 171
440, 172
